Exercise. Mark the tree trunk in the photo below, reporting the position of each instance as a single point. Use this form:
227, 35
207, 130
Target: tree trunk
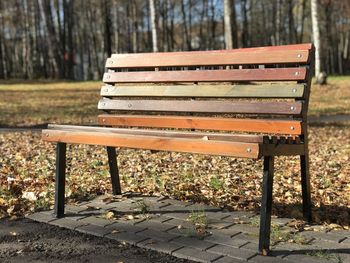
227, 22
152, 8
317, 41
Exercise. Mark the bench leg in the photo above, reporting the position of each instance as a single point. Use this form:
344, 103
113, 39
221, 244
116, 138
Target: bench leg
113, 170
60, 179
266, 205
305, 185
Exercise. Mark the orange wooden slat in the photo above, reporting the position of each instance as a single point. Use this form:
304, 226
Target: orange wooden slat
237, 149
269, 74
291, 127
263, 55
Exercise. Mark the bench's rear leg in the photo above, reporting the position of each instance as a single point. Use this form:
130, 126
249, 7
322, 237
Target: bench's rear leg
60, 179
113, 170
266, 205
305, 185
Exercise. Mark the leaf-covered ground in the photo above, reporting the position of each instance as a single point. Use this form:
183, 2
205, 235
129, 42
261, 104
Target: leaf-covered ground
27, 176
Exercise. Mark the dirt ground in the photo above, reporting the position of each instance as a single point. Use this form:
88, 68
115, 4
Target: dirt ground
24, 240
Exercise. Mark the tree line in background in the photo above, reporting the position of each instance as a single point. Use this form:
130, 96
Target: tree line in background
70, 39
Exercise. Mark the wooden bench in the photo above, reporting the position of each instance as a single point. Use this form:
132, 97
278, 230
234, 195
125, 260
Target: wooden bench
159, 101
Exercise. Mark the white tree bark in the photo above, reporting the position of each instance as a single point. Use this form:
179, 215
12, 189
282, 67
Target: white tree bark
227, 22
153, 25
316, 38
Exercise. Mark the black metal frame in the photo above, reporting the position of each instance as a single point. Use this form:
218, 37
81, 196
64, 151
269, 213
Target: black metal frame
266, 205
60, 182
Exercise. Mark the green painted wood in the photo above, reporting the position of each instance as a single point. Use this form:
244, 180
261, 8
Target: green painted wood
234, 91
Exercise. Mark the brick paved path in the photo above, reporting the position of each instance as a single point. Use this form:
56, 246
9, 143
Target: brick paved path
198, 232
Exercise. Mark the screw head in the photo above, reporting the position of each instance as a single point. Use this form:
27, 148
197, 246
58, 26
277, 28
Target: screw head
249, 150
294, 90
292, 108
108, 76
104, 104
129, 105
47, 135
111, 62
103, 120
299, 55
292, 128
296, 73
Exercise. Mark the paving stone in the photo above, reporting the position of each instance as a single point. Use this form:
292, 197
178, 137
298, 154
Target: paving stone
268, 259
157, 235
67, 223
195, 255
346, 241
156, 225
343, 232
202, 207
218, 224
175, 209
165, 247
331, 237
245, 228
176, 222
302, 258
226, 259
182, 216
126, 237
237, 253
319, 243
75, 208
123, 227
219, 215
193, 242
94, 230
74, 216
291, 247
96, 221
251, 238
159, 218
226, 240
42, 217
176, 202
273, 252
239, 215
225, 231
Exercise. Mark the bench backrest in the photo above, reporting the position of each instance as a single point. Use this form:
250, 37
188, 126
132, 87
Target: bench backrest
261, 90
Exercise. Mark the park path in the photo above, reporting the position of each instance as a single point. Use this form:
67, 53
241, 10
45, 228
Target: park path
199, 232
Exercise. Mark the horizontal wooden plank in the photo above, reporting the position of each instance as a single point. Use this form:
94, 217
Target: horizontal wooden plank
203, 106
253, 56
200, 146
268, 74
272, 126
165, 133
219, 91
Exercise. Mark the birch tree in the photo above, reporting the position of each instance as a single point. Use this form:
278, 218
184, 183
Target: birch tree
152, 8
317, 41
227, 22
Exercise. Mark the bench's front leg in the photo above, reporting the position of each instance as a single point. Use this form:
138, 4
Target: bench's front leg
305, 186
266, 205
60, 179
113, 170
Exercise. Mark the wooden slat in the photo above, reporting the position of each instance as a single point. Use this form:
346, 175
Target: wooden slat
209, 58
203, 106
165, 133
268, 74
220, 91
291, 127
237, 149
